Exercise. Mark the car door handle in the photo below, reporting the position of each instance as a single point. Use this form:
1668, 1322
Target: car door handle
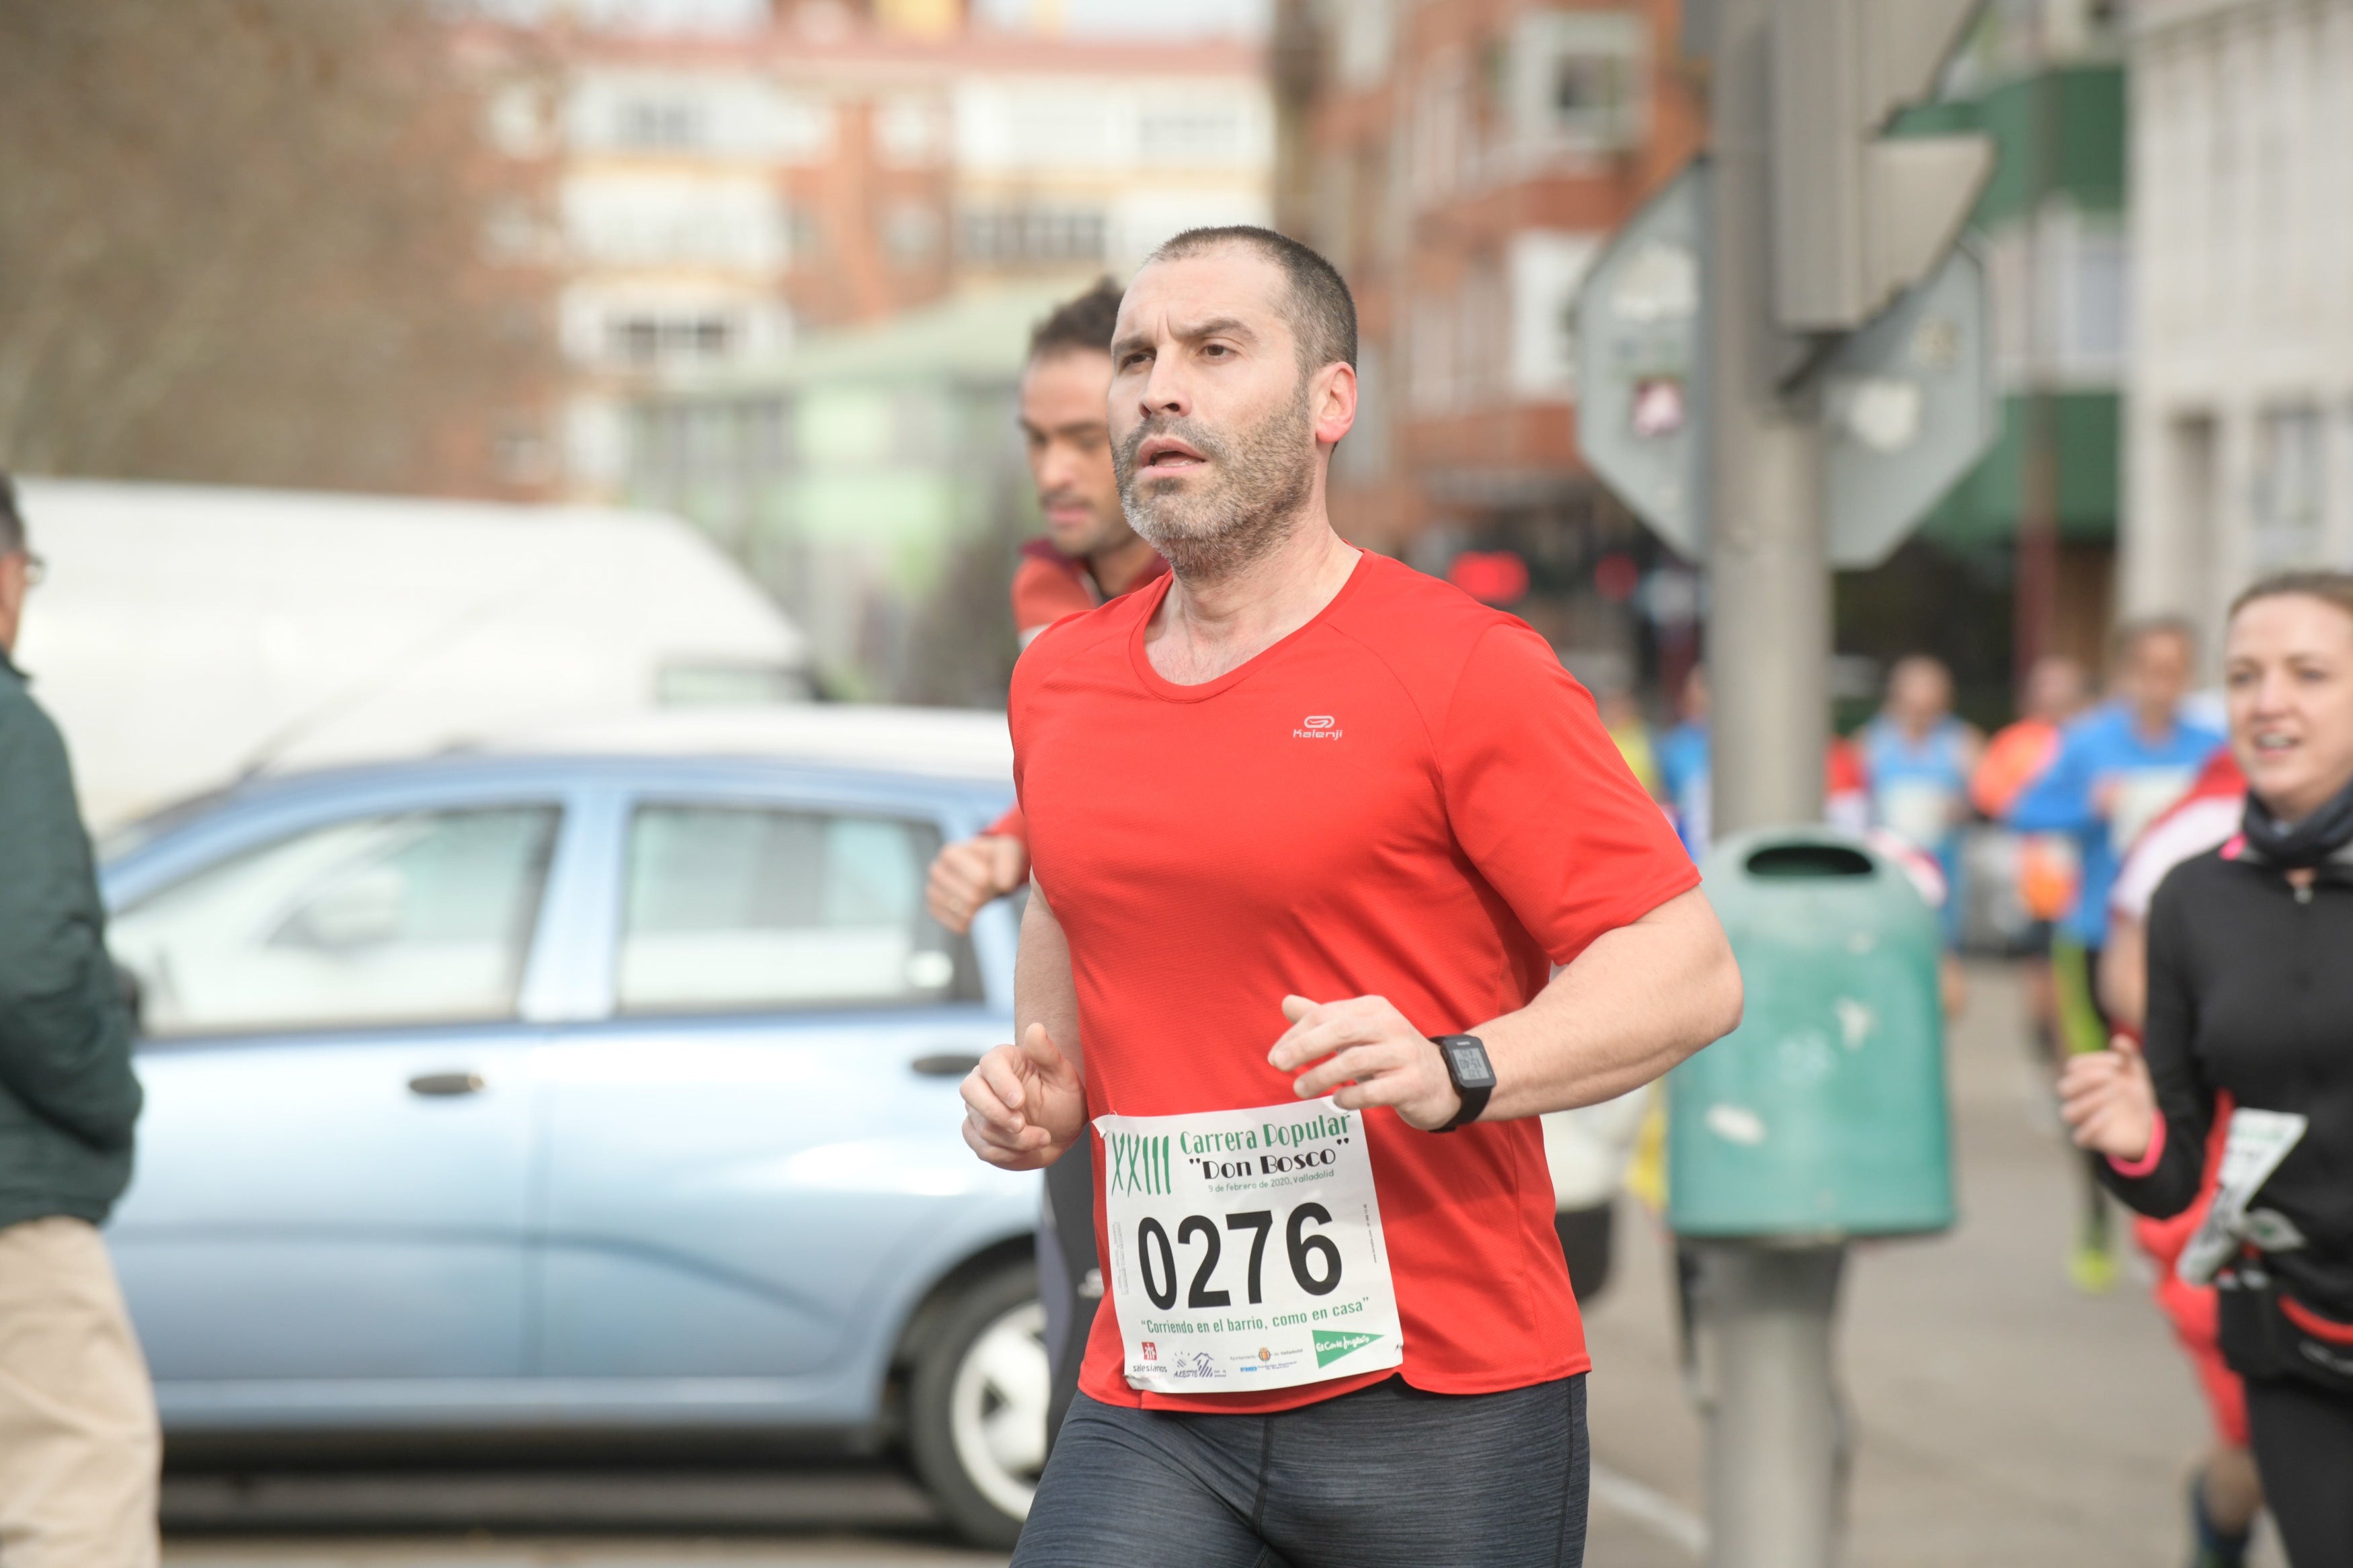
946, 1064
441, 1084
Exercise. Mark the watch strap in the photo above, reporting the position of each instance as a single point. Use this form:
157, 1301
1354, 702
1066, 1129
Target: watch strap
1474, 1100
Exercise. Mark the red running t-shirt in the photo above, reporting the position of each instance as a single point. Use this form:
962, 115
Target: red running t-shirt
1407, 797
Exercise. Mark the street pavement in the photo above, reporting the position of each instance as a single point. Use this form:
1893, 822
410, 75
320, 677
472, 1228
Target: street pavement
2000, 1417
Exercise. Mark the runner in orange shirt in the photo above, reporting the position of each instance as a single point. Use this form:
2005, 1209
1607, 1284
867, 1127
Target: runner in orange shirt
2048, 874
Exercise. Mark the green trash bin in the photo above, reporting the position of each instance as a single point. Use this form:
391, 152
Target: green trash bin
1823, 1116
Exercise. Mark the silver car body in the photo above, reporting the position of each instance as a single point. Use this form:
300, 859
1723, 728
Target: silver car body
575, 1211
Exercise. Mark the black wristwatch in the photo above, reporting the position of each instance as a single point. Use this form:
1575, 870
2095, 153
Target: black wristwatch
1474, 1076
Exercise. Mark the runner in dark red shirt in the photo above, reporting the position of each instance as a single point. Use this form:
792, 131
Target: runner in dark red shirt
1310, 832
1089, 554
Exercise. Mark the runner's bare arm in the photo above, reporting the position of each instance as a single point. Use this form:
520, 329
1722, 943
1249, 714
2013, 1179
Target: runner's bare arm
1025, 1103
1639, 1000
1043, 990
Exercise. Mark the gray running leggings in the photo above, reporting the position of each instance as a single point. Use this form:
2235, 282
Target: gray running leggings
1386, 1476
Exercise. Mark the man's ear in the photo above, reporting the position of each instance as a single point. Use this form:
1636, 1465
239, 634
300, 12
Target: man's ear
1332, 402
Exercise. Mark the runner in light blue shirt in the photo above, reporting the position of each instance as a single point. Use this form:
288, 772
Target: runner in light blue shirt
1917, 757
2120, 766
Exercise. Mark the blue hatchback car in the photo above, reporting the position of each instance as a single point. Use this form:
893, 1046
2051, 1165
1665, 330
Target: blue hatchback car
602, 1086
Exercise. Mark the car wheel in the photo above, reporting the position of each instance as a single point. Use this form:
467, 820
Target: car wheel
976, 1409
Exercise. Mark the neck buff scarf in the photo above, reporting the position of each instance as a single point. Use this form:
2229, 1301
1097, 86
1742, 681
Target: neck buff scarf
2300, 844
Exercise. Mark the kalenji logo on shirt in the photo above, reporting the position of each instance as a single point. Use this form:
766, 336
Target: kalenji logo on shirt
1317, 726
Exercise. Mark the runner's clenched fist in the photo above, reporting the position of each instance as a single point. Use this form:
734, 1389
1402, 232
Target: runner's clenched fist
1024, 1104
1369, 1056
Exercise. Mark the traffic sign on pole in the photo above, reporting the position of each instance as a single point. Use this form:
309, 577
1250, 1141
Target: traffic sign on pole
1857, 218
1909, 401
1910, 406
1641, 372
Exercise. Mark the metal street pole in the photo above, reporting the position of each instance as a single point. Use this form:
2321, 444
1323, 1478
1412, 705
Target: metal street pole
2035, 602
1764, 1307
1769, 605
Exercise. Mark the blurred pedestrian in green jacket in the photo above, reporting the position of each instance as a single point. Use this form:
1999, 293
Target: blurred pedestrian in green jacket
78, 1446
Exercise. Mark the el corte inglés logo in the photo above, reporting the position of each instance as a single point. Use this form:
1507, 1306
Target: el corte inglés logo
1330, 1347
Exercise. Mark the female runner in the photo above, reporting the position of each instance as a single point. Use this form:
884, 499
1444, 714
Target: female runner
2251, 995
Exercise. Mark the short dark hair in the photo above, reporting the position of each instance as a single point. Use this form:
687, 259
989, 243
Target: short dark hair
2132, 633
12, 521
1083, 323
1322, 314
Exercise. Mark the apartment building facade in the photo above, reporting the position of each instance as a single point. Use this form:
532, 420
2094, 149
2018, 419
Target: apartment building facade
1462, 162
700, 202
2241, 433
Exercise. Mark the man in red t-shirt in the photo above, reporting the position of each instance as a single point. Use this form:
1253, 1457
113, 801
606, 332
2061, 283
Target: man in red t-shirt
1310, 832
1089, 554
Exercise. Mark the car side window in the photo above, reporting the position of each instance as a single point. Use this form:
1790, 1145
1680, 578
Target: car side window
410, 918
737, 909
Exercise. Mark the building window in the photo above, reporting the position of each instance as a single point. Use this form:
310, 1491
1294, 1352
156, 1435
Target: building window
2291, 498
1188, 134
1547, 267
911, 233
804, 235
2086, 263
909, 132
1365, 42
659, 122
1018, 237
1441, 128
642, 217
1578, 81
521, 453
1430, 353
1482, 349
511, 230
637, 340
518, 117
648, 340
800, 128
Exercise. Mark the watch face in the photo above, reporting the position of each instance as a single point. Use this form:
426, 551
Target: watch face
1470, 1059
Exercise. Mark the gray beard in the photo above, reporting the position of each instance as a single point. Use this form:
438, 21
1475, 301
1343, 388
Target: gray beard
1265, 476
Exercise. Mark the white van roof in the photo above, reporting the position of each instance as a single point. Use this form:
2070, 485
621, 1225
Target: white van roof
187, 635
943, 742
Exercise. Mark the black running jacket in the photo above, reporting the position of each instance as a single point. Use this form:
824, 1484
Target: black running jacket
2251, 992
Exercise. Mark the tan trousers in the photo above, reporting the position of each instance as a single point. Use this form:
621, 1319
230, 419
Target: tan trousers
79, 1445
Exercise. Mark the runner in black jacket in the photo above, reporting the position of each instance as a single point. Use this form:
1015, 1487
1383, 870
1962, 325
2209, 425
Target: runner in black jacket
2250, 994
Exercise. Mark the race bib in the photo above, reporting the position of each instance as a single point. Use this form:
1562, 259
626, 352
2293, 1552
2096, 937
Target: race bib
1921, 810
1245, 1249
2258, 1140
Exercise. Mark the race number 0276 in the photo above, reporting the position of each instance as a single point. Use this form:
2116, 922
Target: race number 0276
1315, 1261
